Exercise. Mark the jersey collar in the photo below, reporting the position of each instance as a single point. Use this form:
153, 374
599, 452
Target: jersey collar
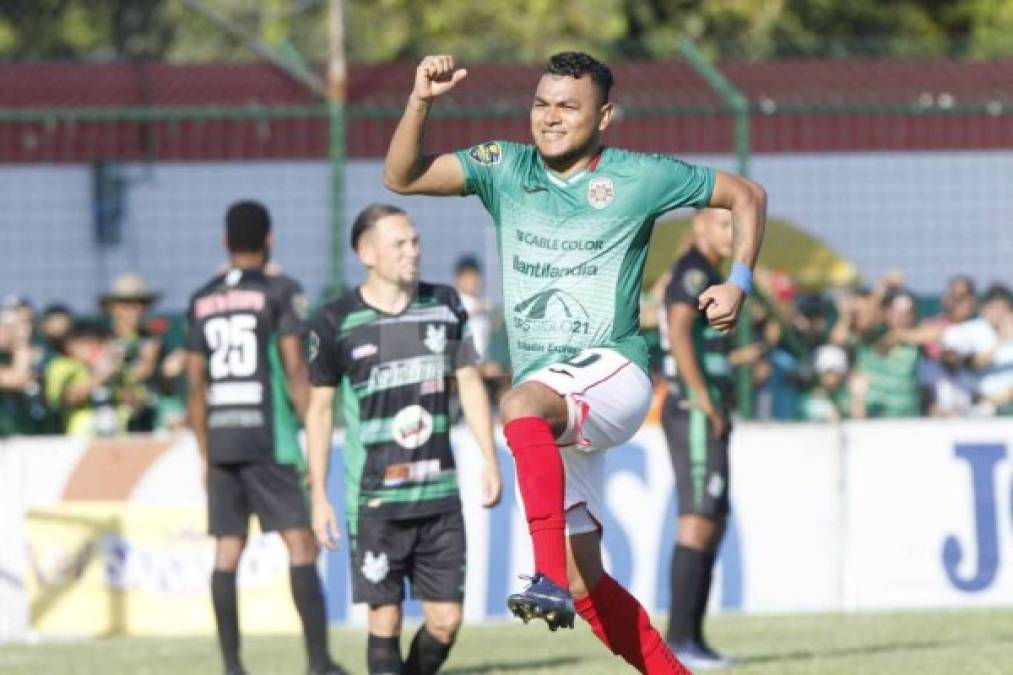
559, 181
407, 307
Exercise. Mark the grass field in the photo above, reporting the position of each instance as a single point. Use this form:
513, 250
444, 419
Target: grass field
927, 643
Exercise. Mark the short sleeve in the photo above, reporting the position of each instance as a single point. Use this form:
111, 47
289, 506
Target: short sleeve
675, 184
466, 353
463, 350
326, 364
484, 166
292, 317
687, 283
195, 341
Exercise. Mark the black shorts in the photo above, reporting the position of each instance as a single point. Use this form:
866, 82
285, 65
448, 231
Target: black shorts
429, 552
273, 491
699, 459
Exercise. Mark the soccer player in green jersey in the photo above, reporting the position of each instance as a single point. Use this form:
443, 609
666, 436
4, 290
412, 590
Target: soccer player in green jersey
573, 219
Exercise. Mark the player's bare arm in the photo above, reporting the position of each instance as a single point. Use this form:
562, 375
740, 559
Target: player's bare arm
296, 372
406, 170
197, 406
478, 414
319, 429
747, 201
680, 325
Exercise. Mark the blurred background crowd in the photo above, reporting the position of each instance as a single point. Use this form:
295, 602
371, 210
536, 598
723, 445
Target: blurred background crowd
820, 356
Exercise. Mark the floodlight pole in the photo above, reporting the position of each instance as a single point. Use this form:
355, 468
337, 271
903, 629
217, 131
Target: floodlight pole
337, 81
739, 106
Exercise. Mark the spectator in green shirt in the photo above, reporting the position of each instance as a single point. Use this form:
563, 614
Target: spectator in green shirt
885, 383
829, 399
135, 348
77, 383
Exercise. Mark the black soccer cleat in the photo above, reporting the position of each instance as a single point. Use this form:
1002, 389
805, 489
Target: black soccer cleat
543, 599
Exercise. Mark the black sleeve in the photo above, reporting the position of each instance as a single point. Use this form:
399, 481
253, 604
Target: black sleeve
325, 359
687, 283
195, 341
293, 310
462, 348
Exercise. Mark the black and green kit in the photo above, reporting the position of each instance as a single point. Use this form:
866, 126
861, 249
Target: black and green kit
394, 376
235, 322
699, 458
402, 500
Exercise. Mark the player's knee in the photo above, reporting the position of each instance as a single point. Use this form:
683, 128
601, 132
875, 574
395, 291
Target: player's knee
529, 400
585, 567
516, 404
385, 620
582, 583
578, 589
444, 625
700, 532
228, 551
302, 546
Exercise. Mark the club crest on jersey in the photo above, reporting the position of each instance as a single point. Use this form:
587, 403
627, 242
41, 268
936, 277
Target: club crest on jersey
694, 281
412, 427
314, 346
436, 338
600, 192
301, 306
486, 153
375, 567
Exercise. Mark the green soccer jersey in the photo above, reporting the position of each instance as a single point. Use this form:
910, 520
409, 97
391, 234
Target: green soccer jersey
572, 250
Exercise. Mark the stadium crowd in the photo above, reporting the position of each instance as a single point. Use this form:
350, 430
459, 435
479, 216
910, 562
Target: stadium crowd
845, 353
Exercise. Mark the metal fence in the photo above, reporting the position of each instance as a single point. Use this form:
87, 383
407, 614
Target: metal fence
871, 165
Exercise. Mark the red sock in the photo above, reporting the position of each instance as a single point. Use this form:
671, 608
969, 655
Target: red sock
622, 624
540, 478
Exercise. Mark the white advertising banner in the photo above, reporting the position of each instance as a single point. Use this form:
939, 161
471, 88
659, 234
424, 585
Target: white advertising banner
929, 515
783, 550
862, 516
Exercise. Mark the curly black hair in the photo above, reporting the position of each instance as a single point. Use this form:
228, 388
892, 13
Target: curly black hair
578, 64
247, 224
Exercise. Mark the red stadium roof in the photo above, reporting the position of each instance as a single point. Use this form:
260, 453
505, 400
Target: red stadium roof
800, 106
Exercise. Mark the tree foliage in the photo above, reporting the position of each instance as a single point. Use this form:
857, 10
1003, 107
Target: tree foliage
507, 30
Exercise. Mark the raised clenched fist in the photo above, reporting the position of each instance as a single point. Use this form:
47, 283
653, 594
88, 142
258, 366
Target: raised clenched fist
435, 76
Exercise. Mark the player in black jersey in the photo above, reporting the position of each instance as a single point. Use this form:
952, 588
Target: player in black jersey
393, 346
247, 387
695, 418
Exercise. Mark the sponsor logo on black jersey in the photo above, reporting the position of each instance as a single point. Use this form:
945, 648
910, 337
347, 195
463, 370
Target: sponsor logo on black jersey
412, 427
363, 351
436, 338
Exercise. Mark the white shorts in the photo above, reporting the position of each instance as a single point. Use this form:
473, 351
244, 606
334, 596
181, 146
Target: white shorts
607, 397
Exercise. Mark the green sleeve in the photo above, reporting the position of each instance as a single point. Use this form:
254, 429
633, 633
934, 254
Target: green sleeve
675, 183
484, 167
